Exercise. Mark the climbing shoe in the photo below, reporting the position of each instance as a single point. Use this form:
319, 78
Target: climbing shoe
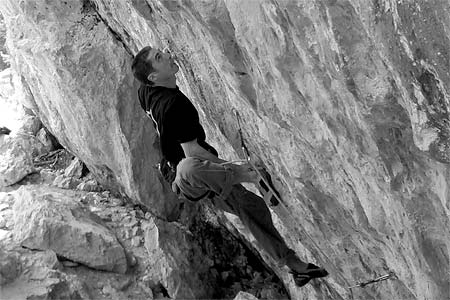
311, 272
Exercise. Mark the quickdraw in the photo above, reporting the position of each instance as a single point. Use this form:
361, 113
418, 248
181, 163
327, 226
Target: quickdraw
378, 279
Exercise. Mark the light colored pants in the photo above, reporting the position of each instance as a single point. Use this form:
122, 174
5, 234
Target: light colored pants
195, 177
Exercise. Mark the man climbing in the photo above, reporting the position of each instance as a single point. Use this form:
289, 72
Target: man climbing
200, 173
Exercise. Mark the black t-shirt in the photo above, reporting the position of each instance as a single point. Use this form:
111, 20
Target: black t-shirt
175, 119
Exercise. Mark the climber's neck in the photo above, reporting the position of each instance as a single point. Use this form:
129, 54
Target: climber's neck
169, 82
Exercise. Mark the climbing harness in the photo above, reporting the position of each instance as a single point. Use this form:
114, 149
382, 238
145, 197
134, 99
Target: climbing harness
378, 279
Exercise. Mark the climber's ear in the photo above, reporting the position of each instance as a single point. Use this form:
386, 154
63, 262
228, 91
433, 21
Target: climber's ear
152, 76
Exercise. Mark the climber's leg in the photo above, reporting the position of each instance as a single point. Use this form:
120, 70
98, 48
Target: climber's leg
254, 213
196, 177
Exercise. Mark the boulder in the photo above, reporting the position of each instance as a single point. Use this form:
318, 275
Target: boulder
89, 186
35, 275
75, 169
44, 137
10, 267
65, 182
16, 160
48, 175
49, 218
30, 125
6, 220
169, 250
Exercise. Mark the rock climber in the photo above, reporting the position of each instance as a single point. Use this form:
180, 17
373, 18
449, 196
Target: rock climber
193, 167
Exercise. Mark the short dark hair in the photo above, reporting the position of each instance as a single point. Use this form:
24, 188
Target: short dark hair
141, 67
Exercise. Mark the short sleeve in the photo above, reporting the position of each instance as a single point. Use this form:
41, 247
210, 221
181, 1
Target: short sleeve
142, 97
182, 122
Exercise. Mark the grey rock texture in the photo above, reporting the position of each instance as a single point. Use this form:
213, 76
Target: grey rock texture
345, 102
9, 267
16, 159
64, 182
75, 168
245, 296
47, 218
200, 261
88, 109
45, 139
30, 126
195, 261
169, 261
37, 275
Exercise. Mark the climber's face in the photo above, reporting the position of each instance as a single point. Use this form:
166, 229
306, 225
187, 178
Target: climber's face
164, 65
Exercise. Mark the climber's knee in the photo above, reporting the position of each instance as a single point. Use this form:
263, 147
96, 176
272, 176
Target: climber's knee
201, 173
188, 167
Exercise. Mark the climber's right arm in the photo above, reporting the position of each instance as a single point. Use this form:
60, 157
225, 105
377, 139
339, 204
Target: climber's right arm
193, 149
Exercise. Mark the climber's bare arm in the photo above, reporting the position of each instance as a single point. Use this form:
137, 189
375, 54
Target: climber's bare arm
193, 149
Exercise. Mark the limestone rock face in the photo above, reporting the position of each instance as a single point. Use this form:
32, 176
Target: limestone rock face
114, 138
46, 218
345, 102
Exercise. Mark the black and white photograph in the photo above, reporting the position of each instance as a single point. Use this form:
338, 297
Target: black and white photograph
225, 149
